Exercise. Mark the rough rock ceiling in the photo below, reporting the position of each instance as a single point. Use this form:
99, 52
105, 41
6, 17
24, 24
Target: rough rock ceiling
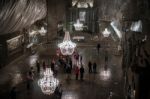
18, 14
117, 9
111, 9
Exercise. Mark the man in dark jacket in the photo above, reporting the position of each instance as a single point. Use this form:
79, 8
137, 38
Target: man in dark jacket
94, 67
98, 47
81, 72
13, 93
90, 67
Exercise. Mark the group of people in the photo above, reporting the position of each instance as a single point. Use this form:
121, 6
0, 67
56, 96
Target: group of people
77, 58
66, 62
31, 73
92, 67
53, 66
79, 71
29, 84
70, 66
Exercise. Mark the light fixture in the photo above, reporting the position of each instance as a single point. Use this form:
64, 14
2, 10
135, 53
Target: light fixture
74, 2
136, 26
144, 39
33, 32
105, 74
83, 3
67, 46
115, 26
90, 2
42, 31
78, 26
106, 32
48, 83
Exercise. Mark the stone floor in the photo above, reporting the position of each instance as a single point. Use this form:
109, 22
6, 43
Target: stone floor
94, 86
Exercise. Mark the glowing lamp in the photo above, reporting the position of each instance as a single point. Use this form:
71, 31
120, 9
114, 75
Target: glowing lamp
67, 46
48, 83
78, 25
106, 32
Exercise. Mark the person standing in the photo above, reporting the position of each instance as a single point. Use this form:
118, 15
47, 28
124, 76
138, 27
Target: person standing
68, 71
129, 92
90, 67
80, 59
32, 71
52, 65
98, 47
58, 91
29, 80
70, 62
81, 72
56, 69
76, 56
106, 59
38, 66
44, 65
94, 67
77, 70
13, 93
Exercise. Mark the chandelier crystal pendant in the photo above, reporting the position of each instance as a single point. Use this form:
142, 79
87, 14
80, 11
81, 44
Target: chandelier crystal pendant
67, 46
106, 32
48, 83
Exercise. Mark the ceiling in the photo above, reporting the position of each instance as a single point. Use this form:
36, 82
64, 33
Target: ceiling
18, 14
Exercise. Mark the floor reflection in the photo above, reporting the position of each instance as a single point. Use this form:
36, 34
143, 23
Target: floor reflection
17, 78
105, 74
33, 59
70, 95
95, 85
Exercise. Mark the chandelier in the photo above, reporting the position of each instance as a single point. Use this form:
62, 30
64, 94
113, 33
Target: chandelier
78, 26
42, 31
48, 83
83, 3
67, 46
106, 32
136, 26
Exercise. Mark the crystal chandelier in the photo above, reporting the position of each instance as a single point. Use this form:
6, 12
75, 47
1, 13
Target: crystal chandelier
78, 26
67, 46
106, 32
83, 3
48, 83
136, 26
42, 31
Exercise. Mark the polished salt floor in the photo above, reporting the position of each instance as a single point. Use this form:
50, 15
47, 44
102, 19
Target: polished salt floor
105, 84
